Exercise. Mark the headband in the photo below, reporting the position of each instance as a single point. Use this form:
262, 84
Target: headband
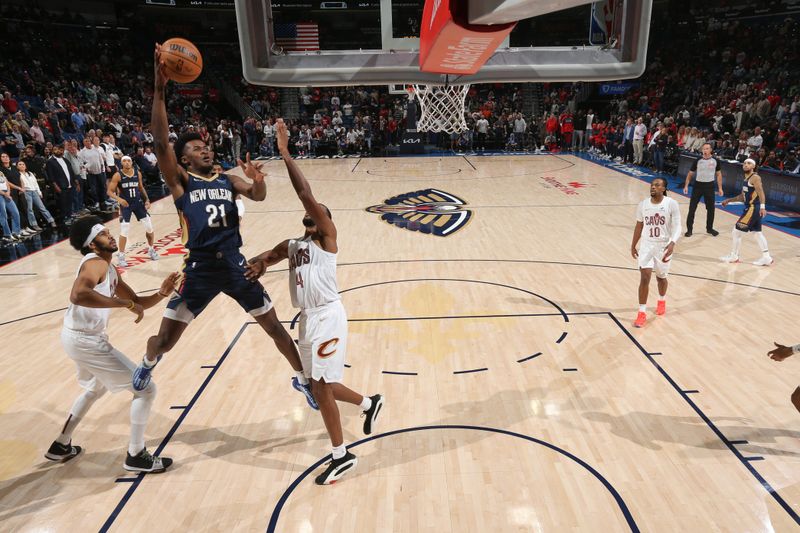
96, 230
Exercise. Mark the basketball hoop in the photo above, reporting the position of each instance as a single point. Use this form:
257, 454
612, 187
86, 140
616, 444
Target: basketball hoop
442, 107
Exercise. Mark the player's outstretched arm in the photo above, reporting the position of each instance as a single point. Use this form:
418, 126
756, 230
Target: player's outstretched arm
759, 186
173, 174
83, 293
738, 198
146, 302
258, 265
781, 352
257, 190
316, 211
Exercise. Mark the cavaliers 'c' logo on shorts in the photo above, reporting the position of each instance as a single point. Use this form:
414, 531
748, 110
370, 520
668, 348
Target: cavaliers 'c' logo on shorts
327, 348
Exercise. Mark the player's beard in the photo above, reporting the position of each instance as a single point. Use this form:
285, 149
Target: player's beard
106, 248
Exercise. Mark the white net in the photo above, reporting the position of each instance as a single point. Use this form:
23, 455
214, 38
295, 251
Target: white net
442, 107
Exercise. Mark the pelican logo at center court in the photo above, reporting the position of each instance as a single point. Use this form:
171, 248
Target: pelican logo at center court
429, 211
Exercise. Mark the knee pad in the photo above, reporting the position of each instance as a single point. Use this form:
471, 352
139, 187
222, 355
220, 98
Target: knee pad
147, 222
124, 227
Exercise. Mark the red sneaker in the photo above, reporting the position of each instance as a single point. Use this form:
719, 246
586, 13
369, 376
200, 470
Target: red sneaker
661, 308
641, 318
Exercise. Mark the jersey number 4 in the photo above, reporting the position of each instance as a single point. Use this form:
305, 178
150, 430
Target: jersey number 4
216, 214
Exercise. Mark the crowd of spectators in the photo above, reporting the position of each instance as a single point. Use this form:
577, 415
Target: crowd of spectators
65, 120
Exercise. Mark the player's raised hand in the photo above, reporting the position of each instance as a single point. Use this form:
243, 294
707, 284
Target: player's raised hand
255, 269
780, 353
160, 69
282, 134
168, 285
251, 170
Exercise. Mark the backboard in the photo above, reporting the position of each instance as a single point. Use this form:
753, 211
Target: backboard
376, 42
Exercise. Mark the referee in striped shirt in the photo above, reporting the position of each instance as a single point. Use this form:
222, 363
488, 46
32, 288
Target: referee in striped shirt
707, 169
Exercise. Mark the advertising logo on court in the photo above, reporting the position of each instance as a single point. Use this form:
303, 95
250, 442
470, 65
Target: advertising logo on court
429, 211
569, 188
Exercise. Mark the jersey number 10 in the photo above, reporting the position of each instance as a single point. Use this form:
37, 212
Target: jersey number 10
216, 214
655, 232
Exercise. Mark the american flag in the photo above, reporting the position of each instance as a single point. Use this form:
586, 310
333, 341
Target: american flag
297, 37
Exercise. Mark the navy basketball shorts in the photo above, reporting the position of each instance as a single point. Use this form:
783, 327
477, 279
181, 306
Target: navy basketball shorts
750, 220
137, 209
205, 275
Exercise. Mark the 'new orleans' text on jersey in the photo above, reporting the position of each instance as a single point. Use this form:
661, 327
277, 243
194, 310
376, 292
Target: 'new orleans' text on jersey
208, 213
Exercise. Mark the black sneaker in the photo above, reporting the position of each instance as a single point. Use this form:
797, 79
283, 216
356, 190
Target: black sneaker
62, 452
371, 414
688, 233
145, 462
712, 232
336, 469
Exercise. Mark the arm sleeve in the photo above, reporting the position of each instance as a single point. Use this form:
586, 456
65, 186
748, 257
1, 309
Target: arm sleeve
675, 211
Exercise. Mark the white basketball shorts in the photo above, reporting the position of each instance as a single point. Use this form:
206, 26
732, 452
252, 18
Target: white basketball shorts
650, 255
97, 361
323, 342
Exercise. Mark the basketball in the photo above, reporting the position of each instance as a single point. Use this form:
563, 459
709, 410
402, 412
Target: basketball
183, 60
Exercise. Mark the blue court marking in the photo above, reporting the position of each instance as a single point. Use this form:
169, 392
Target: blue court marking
469, 162
755, 473
138, 480
356, 165
755, 458
561, 338
692, 391
569, 369
528, 358
623, 507
470, 371
739, 442
399, 373
655, 353
177, 407
125, 479
208, 366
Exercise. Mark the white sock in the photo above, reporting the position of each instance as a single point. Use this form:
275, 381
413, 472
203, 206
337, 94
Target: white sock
338, 451
737, 242
301, 378
366, 403
662, 298
642, 308
140, 413
762, 242
147, 364
80, 407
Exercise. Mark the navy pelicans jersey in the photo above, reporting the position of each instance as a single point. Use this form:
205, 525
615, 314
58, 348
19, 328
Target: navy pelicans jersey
129, 187
209, 218
751, 218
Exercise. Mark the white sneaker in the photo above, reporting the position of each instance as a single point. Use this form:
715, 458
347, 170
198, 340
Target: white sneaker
764, 261
121, 260
27, 231
153, 254
730, 258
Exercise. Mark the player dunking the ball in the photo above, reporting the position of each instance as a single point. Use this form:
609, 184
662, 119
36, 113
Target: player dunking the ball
658, 225
126, 188
323, 320
208, 214
101, 368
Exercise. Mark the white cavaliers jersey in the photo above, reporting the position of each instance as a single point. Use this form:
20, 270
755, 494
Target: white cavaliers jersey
92, 319
662, 221
312, 274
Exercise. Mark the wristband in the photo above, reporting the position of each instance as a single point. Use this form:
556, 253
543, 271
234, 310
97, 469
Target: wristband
162, 294
796, 348
131, 305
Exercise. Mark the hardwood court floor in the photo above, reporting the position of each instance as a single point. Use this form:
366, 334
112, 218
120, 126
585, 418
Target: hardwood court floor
519, 397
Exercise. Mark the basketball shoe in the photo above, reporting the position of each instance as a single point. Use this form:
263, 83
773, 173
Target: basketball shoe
336, 469
144, 461
371, 414
661, 307
641, 318
62, 452
306, 390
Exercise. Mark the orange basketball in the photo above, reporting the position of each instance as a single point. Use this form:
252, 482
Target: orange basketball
183, 60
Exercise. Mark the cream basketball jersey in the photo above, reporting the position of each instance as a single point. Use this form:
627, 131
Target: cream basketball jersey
662, 221
92, 319
312, 274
